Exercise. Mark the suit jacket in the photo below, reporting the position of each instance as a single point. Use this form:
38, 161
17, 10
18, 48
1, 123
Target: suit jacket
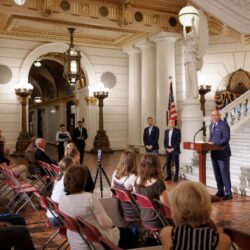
220, 135
175, 139
151, 139
76, 135
42, 156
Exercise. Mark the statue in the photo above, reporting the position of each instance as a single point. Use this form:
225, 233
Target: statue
196, 42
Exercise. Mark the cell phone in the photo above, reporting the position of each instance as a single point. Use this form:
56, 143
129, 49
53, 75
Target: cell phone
99, 154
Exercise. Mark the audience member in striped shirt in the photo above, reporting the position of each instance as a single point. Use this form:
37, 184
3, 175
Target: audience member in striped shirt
191, 209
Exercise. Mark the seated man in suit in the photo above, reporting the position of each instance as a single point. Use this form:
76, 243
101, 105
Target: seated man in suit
30, 157
172, 139
40, 154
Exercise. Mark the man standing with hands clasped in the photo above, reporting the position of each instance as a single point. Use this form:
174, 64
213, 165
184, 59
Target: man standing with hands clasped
172, 139
220, 135
79, 136
151, 137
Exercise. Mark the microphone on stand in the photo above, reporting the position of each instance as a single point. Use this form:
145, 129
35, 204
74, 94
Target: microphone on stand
198, 132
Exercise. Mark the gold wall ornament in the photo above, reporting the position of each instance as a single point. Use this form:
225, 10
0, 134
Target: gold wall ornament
90, 100
76, 102
47, 7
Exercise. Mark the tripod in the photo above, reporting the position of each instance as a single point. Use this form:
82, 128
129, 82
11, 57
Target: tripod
100, 171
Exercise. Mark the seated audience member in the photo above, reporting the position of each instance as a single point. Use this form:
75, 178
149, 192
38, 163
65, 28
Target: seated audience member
40, 154
77, 202
3, 140
20, 171
30, 157
58, 188
124, 177
150, 184
125, 174
72, 151
14, 219
191, 209
15, 237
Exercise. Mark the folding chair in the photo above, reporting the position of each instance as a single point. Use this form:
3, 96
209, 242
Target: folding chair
61, 230
23, 192
130, 210
241, 239
71, 224
144, 202
165, 211
94, 235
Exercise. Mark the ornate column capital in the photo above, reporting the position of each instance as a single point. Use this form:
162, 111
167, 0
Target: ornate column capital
145, 44
132, 50
163, 36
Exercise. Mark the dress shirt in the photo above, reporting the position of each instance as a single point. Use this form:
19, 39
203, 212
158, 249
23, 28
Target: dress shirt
150, 130
170, 132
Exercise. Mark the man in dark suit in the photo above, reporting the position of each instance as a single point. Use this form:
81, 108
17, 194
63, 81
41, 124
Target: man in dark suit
172, 139
40, 154
220, 135
151, 137
80, 134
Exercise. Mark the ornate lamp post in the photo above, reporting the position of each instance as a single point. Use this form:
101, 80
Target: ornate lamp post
101, 139
23, 90
202, 92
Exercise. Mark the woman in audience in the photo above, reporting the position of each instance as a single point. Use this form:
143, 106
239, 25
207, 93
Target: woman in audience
150, 184
58, 188
77, 202
125, 174
20, 171
72, 151
124, 177
191, 209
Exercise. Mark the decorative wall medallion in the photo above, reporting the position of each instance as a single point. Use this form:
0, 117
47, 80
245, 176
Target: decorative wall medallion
65, 5
104, 11
172, 21
5, 74
108, 79
138, 16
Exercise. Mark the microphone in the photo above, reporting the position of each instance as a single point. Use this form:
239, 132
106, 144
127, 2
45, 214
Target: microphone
198, 132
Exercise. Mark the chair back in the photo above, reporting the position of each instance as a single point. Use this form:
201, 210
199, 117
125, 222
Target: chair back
52, 204
95, 236
72, 225
90, 231
241, 239
145, 203
129, 209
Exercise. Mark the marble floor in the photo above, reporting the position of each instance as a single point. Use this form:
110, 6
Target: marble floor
234, 213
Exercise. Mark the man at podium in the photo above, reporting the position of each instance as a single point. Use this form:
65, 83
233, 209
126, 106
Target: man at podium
220, 135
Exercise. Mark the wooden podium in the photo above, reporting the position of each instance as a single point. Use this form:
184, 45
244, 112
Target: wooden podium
202, 148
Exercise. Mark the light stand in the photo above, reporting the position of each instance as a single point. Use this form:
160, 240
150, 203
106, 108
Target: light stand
101, 139
23, 140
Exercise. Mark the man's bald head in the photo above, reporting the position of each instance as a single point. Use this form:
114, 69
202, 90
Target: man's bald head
215, 115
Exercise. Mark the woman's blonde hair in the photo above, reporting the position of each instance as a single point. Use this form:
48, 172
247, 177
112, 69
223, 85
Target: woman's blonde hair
64, 164
70, 150
126, 165
150, 168
190, 204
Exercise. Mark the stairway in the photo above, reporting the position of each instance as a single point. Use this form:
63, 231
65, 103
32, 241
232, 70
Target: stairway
238, 119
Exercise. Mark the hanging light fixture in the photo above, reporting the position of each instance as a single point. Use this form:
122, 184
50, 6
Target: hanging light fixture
186, 15
72, 61
38, 99
19, 2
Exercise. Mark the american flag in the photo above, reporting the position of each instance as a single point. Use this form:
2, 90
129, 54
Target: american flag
171, 113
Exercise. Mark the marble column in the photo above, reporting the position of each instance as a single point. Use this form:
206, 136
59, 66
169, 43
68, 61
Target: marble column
148, 79
165, 67
134, 97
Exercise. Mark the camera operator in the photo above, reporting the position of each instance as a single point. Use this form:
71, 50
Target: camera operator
62, 139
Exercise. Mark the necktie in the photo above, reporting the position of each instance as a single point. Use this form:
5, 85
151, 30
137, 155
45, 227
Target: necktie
214, 125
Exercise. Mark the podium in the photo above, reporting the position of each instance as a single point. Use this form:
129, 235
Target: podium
202, 148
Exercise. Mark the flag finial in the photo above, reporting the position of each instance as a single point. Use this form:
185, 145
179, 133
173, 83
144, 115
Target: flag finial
170, 78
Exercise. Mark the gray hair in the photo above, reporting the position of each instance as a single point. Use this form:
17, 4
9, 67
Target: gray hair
38, 141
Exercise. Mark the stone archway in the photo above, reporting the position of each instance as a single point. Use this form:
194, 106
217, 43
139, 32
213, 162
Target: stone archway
55, 47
